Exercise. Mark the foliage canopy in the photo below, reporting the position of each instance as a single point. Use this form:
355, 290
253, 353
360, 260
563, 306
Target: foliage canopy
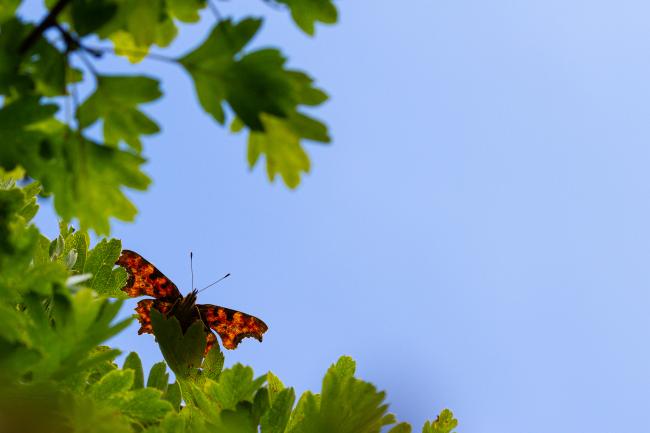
42, 64
59, 298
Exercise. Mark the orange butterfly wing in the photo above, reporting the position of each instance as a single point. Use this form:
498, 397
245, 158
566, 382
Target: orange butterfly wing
231, 325
144, 279
144, 312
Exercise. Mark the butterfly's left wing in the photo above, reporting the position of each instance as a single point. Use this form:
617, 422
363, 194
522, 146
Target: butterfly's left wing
231, 325
144, 279
144, 312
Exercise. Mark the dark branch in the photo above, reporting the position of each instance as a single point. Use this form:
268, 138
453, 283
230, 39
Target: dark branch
47, 22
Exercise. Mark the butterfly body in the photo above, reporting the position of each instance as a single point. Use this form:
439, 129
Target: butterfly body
145, 280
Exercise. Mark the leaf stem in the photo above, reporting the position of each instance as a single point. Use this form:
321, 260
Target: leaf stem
95, 50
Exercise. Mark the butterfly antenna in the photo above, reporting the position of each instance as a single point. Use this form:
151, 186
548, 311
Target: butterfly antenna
192, 269
210, 285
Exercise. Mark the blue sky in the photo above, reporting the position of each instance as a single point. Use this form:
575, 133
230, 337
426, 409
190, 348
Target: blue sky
476, 236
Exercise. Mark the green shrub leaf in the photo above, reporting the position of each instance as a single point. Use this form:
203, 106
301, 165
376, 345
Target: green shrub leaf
445, 423
158, 377
132, 362
115, 102
307, 12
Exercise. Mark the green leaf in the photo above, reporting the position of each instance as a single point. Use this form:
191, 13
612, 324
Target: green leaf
276, 419
43, 70
115, 102
145, 405
344, 367
213, 363
137, 25
307, 12
239, 420
158, 377
209, 64
173, 395
89, 415
281, 147
235, 385
258, 83
264, 96
402, 427
86, 178
115, 382
274, 386
445, 423
346, 404
90, 15
186, 10
182, 351
66, 330
132, 362
7, 8
306, 409
107, 279
99, 369
75, 244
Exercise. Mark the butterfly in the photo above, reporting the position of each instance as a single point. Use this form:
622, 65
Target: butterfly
145, 280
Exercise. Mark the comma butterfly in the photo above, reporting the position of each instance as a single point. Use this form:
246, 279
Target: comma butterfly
145, 280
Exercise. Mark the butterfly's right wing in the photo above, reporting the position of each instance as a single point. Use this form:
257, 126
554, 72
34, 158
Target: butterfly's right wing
144, 279
231, 325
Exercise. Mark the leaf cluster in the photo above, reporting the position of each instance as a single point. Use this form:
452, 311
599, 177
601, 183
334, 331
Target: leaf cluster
42, 63
57, 310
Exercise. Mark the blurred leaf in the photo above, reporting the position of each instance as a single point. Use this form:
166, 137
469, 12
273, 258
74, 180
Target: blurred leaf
87, 415
65, 330
307, 12
85, 177
401, 428
137, 25
115, 382
445, 423
186, 10
239, 420
132, 362
144, 405
90, 15
7, 8
158, 377
115, 102
173, 395
99, 369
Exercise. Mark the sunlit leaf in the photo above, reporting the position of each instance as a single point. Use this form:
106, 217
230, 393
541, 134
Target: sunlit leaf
115, 102
307, 12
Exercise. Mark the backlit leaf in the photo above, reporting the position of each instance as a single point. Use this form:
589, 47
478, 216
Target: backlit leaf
307, 12
115, 102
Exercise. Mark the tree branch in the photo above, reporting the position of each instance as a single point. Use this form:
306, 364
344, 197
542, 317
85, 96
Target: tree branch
47, 22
